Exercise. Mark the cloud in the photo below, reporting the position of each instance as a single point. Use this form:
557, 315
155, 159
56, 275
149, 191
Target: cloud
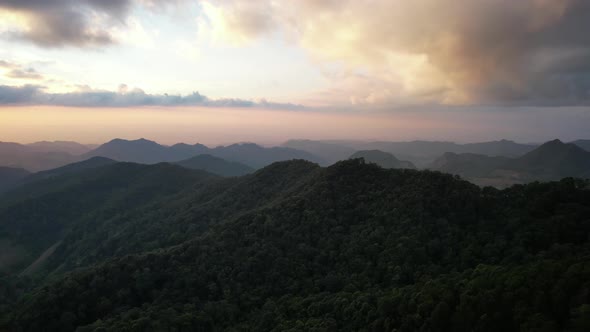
17, 95
503, 52
30, 74
58, 23
8, 65
77, 23
17, 71
124, 97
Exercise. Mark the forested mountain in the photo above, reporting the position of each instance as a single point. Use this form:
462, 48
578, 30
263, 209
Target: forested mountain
551, 161
215, 165
149, 152
383, 159
39, 215
11, 176
296, 247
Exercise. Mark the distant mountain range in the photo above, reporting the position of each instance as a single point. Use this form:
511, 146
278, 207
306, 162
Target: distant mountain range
44, 155
421, 153
149, 152
383, 159
551, 161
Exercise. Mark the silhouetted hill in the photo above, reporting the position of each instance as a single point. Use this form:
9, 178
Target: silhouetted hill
383, 159
350, 247
215, 165
10, 177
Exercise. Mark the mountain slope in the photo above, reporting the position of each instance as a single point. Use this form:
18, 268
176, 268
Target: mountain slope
215, 165
351, 247
383, 159
36, 216
9, 177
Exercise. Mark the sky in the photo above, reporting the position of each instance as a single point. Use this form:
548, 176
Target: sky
221, 71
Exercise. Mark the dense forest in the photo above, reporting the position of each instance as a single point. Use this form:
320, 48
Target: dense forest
296, 247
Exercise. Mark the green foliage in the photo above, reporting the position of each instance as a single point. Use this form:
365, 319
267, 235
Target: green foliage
352, 247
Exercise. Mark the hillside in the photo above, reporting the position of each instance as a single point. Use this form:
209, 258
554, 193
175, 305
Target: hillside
215, 165
350, 247
11, 176
383, 159
35, 216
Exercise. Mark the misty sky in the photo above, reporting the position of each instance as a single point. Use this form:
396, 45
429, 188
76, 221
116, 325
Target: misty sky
268, 70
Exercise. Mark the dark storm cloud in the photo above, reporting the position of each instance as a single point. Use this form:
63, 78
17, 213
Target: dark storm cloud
507, 52
34, 95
